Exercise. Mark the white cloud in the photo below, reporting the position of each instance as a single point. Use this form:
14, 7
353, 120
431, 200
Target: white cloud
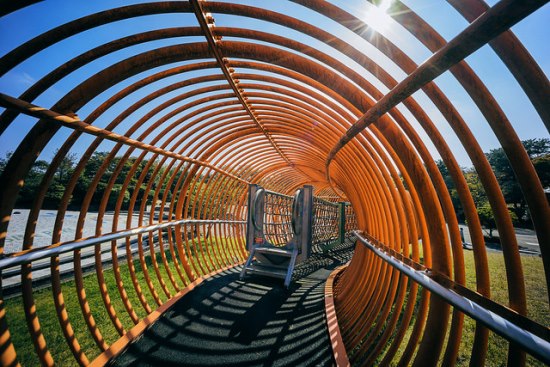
25, 79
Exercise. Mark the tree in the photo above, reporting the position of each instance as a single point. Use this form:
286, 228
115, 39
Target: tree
60, 180
539, 153
65, 169
4, 161
537, 147
31, 183
542, 166
475, 186
84, 181
451, 189
487, 217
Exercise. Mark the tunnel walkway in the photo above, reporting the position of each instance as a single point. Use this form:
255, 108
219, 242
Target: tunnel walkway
132, 136
228, 322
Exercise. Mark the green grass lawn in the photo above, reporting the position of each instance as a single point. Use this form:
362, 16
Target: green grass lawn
535, 287
49, 322
537, 303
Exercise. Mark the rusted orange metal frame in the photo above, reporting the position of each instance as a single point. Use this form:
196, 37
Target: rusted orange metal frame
394, 212
206, 22
526, 333
352, 133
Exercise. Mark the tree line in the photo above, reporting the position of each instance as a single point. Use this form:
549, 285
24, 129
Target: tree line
539, 153
199, 190
537, 149
65, 171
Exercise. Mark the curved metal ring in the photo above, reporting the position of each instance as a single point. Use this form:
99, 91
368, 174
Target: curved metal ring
259, 197
297, 206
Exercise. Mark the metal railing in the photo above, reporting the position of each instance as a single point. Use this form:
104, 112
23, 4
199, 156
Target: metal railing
350, 224
124, 245
330, 221
26, 257
522, 331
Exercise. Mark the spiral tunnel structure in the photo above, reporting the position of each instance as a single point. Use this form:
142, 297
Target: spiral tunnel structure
170, 109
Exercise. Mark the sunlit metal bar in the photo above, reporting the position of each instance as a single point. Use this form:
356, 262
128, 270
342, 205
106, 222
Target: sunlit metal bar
29, 256
213, 41
534, 344
77, 124
496, 20
65, 260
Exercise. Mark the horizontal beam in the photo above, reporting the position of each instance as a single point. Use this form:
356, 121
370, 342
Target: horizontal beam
449, 291
79, 125
493, 22
326, 202
214, 44
26, 257
278, 194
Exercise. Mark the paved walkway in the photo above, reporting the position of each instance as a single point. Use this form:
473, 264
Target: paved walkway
256, 322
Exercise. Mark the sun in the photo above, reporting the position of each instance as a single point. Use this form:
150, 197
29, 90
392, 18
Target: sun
376, 16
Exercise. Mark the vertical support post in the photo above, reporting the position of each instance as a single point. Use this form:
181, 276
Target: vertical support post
250, 230
307, 223
342, 223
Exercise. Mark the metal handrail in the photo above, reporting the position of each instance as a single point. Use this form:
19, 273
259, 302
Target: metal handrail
278, 194
26, 257
531, 340
16, 271
325, 202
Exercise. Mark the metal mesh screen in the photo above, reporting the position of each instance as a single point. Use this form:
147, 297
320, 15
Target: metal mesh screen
326, 219
277, 218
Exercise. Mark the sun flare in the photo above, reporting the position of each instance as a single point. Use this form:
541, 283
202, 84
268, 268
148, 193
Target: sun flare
377, 16
385, 5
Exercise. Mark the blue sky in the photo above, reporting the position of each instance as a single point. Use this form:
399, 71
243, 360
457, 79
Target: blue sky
21, 26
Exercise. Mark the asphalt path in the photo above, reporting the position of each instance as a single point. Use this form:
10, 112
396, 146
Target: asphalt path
256, 322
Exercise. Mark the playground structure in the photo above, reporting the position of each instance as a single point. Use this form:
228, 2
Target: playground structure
214, 118
282, 230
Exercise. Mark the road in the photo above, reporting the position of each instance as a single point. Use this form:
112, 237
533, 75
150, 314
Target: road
526, 237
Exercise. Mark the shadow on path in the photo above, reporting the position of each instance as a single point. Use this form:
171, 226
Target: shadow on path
256, 322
